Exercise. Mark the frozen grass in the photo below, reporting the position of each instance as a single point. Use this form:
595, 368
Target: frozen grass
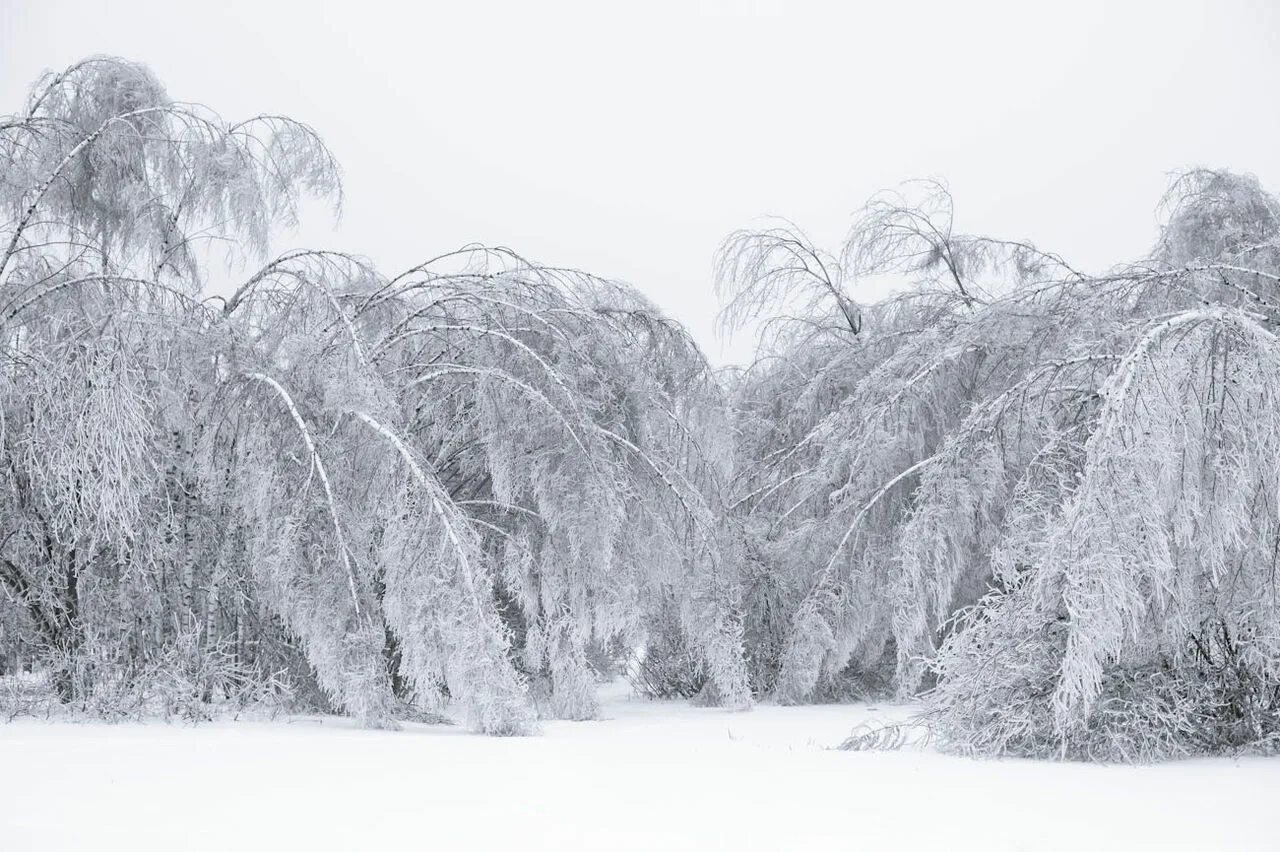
653, 775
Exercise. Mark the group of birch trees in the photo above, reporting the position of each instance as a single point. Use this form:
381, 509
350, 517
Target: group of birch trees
1044, 501
475, 483
1041, 500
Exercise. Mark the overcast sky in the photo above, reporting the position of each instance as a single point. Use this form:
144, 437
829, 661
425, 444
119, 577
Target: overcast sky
629, 139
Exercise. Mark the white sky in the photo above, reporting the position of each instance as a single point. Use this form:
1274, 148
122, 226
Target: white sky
628, 140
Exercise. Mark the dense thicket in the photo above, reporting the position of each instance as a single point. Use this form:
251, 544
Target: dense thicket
1047, 498
472, 482
1042, 499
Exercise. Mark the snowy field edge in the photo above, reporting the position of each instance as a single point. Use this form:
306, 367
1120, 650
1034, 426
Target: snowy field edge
649, 775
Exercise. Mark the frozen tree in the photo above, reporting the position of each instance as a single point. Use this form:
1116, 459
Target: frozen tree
108, 184
857, 404
1132, 618
567, 414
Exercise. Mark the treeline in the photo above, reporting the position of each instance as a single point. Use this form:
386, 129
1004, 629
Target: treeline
1043, 500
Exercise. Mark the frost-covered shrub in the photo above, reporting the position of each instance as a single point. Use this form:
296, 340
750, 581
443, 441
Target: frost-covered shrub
667, 668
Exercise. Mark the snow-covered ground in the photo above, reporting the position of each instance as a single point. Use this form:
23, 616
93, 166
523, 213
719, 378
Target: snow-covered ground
651, 776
